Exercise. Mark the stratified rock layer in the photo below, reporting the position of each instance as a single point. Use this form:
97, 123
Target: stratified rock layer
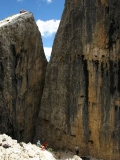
22, 72
81, 99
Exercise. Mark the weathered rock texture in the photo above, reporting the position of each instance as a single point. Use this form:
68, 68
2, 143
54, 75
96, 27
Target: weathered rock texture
81, 98
22, 151
22, 72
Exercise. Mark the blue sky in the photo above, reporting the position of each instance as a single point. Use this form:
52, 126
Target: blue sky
47, 14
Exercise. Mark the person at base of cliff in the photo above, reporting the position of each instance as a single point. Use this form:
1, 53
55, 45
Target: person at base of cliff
58, 155
43, 148
38, 143
45, 144
77, 149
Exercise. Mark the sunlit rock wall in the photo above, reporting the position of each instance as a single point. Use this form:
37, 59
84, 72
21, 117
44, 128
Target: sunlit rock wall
81, 100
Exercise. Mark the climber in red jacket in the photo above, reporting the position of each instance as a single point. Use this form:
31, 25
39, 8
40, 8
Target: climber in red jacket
45, 144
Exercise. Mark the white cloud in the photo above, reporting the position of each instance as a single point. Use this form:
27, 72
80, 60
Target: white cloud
47, 51
49, 1
47, 28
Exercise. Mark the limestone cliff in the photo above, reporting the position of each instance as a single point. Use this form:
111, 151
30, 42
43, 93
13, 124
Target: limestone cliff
22, 72
81, 99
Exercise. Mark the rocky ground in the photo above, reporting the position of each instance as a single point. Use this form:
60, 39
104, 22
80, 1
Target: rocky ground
10, 149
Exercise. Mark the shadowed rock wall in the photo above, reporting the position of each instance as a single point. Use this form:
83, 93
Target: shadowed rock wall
22, 72
81, 99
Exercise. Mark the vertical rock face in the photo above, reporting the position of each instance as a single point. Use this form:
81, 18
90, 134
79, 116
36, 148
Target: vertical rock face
22, 72
81, 100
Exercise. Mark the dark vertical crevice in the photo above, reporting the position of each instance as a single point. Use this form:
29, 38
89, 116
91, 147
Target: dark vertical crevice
14, 81
10, 130
102, 69
96, 66
85, 107
96, 63
117, 126
74, 90
68, 100
1, 76
113, 27
107, 10
86, 80
118, 77
112, 87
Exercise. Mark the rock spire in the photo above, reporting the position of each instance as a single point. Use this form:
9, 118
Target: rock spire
22, 71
